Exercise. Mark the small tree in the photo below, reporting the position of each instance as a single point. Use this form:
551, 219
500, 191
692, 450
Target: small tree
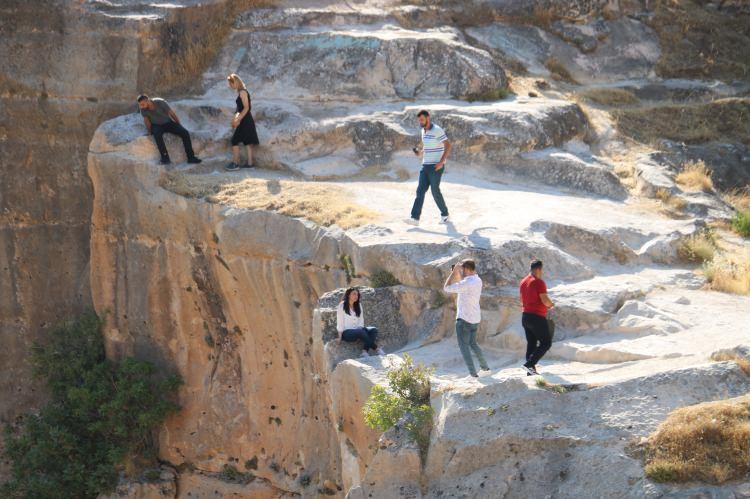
100, 413
408, 392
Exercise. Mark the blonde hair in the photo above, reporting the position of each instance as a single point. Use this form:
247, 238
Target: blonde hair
235, 79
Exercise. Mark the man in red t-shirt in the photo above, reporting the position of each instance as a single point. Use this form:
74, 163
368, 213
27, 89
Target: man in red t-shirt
535, 304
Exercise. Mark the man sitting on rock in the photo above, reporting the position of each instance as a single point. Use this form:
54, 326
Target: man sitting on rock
535, 303
160, 119
465, 282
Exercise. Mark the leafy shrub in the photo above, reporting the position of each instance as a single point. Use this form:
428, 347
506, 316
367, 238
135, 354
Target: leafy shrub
346, 263
100, 413
229, 473
381, 278
741, 223
408, 394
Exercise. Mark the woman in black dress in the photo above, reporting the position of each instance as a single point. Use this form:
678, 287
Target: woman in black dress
243, 124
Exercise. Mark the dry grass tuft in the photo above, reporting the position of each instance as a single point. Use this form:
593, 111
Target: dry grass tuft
729, 272
323, 204
695, 177
701, 42
558, 71
732, 356
739, 198
699, 248
671, 201
610, 96
709, 442
727, 120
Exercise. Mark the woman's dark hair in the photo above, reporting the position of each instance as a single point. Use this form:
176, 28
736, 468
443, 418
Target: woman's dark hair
357, 308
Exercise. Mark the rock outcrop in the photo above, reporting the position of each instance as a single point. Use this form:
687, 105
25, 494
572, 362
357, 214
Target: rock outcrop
66, 67
241, 303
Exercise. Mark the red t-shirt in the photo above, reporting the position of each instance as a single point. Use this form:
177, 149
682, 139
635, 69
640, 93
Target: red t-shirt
530, 289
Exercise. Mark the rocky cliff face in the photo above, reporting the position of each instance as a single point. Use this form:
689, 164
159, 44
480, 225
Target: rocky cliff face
66, 67
239, 301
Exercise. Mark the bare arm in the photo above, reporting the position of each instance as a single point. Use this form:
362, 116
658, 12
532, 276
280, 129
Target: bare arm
147, 122
446, 152
545, 299
174, 117
454, 276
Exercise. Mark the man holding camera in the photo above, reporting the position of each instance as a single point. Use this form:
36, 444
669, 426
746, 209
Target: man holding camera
465, 282
434, 151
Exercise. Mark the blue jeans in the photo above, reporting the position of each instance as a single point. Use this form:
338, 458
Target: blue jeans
466, 333
429, 178
366, 334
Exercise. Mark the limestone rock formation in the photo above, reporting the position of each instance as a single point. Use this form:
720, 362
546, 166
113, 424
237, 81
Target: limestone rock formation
240, 302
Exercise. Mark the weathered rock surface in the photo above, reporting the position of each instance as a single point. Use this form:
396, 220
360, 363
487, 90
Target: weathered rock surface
64, 68
236, 301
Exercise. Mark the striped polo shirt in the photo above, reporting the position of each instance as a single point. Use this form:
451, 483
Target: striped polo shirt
432, 144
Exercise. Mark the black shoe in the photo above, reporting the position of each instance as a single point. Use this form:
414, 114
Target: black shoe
194, 161
530, 371
247, 166
485, 369
232, 167
474, 375
165, 161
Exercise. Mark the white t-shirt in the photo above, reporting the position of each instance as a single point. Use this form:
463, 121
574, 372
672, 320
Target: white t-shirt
469, 290
433, 144
346, 321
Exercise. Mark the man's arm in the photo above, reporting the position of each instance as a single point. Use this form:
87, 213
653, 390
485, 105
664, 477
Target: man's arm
452, 279
147, 122
446, 152
174, 117
545, 299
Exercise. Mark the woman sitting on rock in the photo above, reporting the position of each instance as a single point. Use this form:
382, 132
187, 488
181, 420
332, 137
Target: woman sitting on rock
243, 124
350, 323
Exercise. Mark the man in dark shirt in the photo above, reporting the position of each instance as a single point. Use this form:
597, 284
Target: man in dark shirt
535, 303
160, 119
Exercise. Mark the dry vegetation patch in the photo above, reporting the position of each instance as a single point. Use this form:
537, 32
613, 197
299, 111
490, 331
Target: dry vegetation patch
698, 41
559, 71
732, 356
727, 120
709, 442
610, 96
324, 204
700, 247
729, 272
695, 177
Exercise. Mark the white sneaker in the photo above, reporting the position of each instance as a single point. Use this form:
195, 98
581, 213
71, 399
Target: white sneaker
412, 221
364, 355
380, 351
446, 219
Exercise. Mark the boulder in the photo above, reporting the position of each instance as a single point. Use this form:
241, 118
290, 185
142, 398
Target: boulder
382, 310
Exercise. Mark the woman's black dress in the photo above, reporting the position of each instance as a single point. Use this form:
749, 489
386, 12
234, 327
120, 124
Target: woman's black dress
245, 132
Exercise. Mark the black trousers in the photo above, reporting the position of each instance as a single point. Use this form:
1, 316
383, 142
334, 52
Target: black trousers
174, 128
538, 337
366, 334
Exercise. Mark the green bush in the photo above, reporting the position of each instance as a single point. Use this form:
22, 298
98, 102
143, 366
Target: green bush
741, 223
381, 278
99, 414
408, 392
348, 266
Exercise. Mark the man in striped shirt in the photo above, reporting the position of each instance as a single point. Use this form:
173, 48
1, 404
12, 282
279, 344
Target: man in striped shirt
435, 149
